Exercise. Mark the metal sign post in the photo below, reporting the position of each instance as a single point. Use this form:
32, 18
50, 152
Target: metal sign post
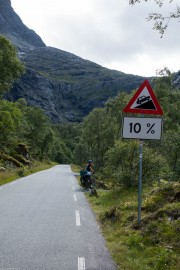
144, 128
140, 182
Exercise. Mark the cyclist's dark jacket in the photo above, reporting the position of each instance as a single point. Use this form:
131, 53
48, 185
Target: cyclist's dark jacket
88, 168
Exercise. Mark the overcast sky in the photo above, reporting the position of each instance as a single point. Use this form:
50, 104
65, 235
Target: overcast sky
108, 32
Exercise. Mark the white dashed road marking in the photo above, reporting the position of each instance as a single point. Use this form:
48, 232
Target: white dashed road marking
81, 263
75, 197
73, 188
78, 221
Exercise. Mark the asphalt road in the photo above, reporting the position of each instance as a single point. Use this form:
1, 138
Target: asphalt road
47, 224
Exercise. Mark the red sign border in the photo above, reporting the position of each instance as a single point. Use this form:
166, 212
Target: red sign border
158, 110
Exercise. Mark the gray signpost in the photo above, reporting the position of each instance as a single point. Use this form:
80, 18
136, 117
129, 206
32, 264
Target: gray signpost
143, 128
140, 182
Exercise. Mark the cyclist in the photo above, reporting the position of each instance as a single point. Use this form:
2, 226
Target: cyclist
87, 176
89, 168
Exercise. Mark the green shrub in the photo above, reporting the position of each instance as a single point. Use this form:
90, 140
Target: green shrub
122, 161
21, 172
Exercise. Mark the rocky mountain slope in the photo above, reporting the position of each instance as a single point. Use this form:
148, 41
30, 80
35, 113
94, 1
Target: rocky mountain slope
66, 86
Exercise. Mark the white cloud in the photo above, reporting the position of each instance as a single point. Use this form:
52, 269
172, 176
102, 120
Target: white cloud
108, 32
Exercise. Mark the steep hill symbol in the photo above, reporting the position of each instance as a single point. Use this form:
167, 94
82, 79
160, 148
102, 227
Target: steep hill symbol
145, 102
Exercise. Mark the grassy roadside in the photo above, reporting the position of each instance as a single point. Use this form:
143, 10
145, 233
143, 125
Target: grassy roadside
9, 176
153, 246
75, 168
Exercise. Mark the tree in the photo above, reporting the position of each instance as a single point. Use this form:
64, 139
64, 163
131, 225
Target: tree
10, 66
38, 131
114, 108
98, 135
10, 121
161, 20
122, 162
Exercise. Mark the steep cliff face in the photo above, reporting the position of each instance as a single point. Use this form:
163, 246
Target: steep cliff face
55, 98
13, 28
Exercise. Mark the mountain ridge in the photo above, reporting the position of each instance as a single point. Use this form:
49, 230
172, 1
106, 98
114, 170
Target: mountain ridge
13, 28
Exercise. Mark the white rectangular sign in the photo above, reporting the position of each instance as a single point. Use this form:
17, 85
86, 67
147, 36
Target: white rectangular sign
145, 128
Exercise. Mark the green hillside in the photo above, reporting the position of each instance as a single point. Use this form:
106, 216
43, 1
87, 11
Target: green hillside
155, 244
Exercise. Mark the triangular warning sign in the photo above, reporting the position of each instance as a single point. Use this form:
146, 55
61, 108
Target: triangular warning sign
144, 101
